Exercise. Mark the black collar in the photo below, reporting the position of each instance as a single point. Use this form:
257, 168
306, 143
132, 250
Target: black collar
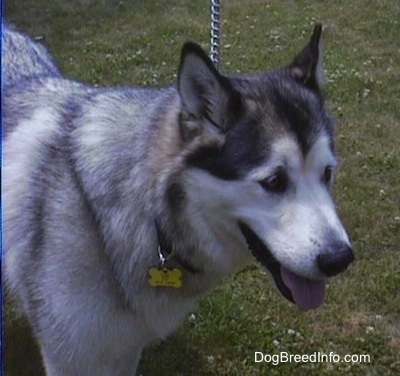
167, 252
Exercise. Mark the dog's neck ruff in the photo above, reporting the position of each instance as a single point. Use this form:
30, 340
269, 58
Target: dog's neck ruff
166, 252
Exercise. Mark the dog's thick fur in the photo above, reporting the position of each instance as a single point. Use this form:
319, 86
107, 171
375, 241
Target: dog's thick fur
24, 58
99, 184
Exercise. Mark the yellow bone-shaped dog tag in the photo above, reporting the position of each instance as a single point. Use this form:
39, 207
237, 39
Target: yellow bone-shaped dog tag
165, 277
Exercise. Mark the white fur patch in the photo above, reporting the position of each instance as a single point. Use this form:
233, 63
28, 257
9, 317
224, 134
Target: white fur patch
22, 151
320, 156
285, 152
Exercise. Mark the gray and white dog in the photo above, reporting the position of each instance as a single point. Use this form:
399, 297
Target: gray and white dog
122, 207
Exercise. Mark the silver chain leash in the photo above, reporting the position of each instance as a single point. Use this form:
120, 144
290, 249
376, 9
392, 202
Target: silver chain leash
215, 32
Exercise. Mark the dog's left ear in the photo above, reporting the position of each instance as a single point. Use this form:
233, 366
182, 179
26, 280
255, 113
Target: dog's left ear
206, 95
307, 67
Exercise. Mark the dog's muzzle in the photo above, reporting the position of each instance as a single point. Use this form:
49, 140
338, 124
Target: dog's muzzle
304, 292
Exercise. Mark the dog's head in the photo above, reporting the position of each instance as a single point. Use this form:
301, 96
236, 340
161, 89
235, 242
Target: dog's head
261, 174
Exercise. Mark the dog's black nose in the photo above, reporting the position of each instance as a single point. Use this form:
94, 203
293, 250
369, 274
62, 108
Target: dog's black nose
336, 261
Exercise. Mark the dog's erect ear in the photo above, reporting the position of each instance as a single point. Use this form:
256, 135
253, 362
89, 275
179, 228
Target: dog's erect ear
204, 92
307, 67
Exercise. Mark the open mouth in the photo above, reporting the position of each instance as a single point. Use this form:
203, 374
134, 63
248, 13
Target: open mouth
304, 292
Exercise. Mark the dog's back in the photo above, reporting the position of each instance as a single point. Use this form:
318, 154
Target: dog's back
24, 58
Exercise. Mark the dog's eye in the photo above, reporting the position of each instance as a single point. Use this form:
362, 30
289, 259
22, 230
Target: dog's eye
277, 182
327, 177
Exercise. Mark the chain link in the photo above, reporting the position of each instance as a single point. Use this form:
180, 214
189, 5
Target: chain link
215, 32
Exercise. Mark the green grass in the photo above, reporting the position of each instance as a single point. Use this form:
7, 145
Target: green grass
138, 43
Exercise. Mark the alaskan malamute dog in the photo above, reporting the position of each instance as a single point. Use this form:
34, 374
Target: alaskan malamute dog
122, 207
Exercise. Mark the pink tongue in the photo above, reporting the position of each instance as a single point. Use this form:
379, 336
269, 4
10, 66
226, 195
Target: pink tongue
307, 293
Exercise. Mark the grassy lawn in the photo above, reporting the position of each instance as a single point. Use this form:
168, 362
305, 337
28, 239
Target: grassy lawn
138, 43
